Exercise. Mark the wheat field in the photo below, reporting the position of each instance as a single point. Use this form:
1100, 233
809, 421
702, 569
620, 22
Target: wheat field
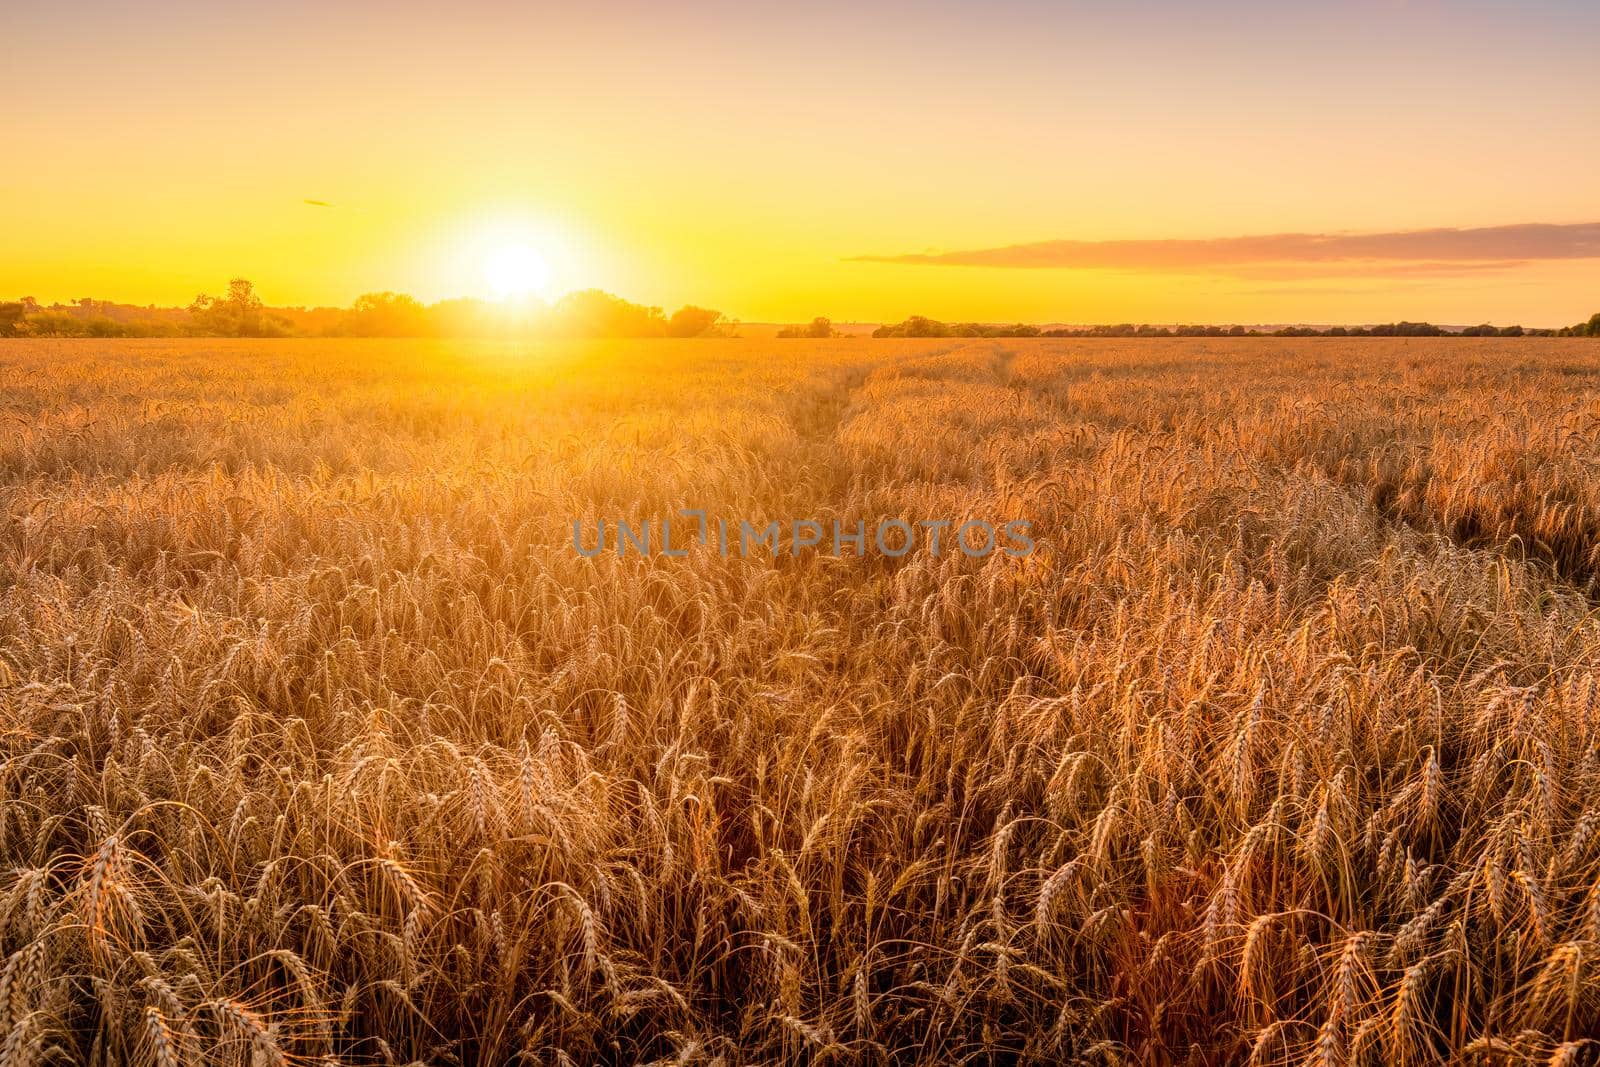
321, 744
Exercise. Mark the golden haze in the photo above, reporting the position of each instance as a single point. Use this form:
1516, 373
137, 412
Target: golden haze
739, 156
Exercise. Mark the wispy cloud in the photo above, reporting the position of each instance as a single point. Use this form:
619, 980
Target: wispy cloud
1440, 251
1370, 268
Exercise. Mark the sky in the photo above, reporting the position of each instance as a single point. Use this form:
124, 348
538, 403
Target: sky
1145, 160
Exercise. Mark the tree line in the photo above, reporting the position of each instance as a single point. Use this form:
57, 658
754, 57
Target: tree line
240, 312
920, 326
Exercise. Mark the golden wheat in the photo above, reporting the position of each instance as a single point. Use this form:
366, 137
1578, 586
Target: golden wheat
321, 744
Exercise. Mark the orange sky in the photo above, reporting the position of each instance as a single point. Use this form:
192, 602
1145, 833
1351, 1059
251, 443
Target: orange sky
746, 158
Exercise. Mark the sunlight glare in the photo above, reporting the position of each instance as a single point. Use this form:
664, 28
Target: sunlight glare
517, 270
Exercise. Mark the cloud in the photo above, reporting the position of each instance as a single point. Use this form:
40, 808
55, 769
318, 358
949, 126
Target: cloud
318, 203
1370, 268
1440, 251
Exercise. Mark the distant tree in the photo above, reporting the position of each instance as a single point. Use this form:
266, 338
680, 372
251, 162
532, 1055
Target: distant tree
463, 317
691, 321
146, 328
596, 313
915, 326
239, 314
52, 323
385, 315
819, 328
1405, 329
11, 316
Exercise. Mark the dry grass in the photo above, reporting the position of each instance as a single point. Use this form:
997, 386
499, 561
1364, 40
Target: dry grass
321, 743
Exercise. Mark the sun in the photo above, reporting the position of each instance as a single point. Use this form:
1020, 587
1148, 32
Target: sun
517, 270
